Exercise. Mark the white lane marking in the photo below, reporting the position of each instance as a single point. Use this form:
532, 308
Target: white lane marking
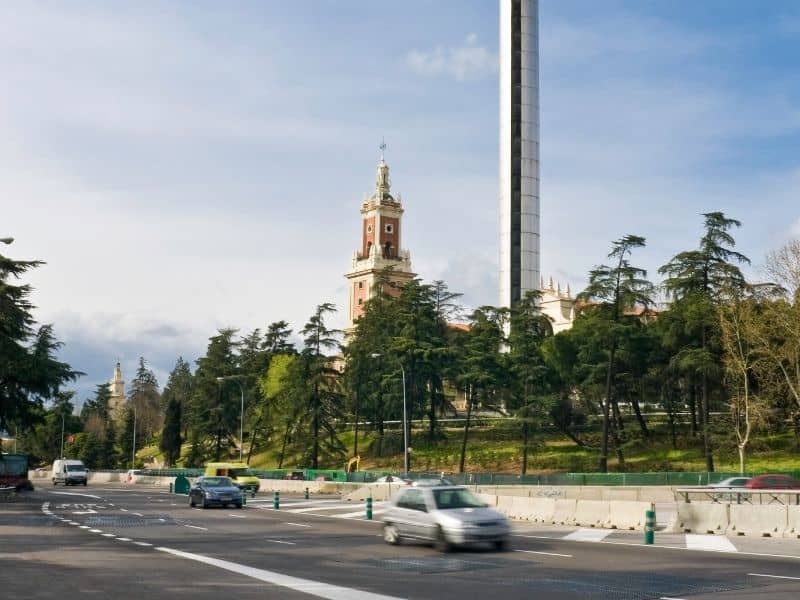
83, 527
124, 509
173, 504
773, 576
301, 502
236, 516
108, 535
298, 525
96, 530
196, 527
142, 544
73, 523
281, 542
358, 513
589, 535
545, 553
337, 506
138, 514
76, 494
669, 598
110, 504
307, 586
124, 539
712, 543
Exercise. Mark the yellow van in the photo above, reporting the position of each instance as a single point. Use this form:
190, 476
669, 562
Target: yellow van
240, 473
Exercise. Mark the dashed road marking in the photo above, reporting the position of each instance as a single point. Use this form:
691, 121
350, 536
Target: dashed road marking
196, 527
713, 543
281, 542
544, 553
773, 576
298, 524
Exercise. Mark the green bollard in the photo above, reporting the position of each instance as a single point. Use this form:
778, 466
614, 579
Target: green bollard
650, 525
369, 508
276, 500
170, 487
306, 496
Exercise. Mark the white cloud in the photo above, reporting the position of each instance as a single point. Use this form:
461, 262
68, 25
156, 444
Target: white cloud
465, 62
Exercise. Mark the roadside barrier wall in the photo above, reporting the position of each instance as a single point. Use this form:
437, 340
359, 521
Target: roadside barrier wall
592, 513
564, 511
759, 520
792, 522
626, 514
698, 517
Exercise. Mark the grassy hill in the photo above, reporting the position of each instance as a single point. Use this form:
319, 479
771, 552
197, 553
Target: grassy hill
494, 446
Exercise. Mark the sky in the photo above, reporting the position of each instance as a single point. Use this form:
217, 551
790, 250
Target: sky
183, 167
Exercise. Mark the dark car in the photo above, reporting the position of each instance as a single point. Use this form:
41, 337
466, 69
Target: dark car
210, 491
296, 476
773, 482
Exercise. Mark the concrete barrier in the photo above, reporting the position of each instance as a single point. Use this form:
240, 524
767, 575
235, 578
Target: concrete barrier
627, 514
592, 513
760, 520
564, 511
702, 518
543, 509
792, 522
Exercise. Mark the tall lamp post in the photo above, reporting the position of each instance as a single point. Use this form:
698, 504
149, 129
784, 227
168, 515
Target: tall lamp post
405, 417
133, 449
241, 414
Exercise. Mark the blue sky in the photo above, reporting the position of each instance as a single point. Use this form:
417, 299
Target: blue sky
188, 166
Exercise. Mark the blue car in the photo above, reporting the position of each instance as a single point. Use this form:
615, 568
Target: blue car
215, 491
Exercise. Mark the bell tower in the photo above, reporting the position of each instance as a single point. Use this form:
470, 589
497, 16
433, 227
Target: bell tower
117, 388
381, 230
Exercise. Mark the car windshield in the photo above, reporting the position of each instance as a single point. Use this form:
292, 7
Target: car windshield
455, 498
217, 482
240, 472
75, 468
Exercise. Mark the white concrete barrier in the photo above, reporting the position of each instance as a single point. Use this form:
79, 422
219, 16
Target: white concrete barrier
625, 514
564, 511
702, 518
760, 520
592, 513
792, 522
543, 509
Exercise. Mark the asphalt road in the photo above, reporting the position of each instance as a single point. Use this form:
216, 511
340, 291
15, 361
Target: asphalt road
133, 542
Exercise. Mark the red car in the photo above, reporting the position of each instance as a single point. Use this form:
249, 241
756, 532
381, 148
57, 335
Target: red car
773, 482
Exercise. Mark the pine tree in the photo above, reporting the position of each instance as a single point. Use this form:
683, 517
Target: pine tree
170, 443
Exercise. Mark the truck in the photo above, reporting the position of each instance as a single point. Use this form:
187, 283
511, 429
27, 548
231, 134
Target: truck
14, 471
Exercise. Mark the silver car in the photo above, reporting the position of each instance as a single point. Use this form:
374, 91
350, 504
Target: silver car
446, 515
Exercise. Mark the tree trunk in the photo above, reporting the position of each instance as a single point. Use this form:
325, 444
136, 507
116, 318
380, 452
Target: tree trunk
525, 433
379, 441
693, 408
315, 457
470, 401
639, 417
355, 437
283, 446
667, 401
704, 409
603, 462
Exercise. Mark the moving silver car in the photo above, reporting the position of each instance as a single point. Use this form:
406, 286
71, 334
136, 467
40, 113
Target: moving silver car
446, 515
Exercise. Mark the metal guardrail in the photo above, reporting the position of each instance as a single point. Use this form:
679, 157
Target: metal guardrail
738, 495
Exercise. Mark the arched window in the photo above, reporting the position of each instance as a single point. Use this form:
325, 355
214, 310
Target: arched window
387, 250
369, 248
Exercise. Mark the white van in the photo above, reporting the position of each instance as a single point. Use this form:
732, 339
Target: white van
69, 472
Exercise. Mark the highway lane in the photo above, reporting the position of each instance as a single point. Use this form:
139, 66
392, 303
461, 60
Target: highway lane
349, 555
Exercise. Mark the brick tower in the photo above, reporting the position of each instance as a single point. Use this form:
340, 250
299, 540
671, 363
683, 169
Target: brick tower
381, 231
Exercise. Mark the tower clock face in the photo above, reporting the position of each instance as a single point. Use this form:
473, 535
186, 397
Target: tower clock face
369, 228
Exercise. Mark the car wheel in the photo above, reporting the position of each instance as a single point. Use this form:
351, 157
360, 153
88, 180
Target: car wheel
390, 534
500, 545
191, 502
238, 505
442, 543
205, 503
84, 483
55, 482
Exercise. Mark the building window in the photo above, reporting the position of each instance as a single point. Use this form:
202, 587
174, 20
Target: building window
360, 300
389, 228
361, 285
393, 284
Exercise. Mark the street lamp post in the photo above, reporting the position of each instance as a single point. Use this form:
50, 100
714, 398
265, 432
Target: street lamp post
405, 418
62, 434
241, 414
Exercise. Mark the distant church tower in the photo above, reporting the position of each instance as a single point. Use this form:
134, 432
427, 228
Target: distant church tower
381, 231
117, 388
